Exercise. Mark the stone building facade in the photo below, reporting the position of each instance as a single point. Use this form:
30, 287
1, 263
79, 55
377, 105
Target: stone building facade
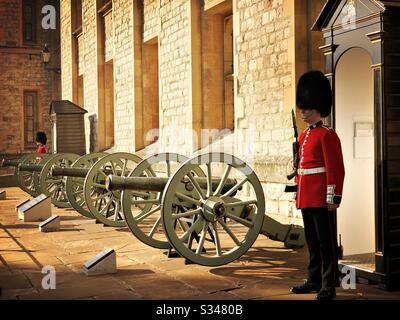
153, 74
27, 86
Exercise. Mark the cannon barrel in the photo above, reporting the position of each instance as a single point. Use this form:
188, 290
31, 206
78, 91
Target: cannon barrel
159, 183
68, 172
31, 167
78, 172
9, 163
136, 183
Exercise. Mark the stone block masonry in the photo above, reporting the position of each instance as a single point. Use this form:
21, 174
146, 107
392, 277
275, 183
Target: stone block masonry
264, 38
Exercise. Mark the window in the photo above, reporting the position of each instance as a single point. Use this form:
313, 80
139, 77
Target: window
228, 73
30, 118
150, 108
77, 54
105, 49
76, 14
307, 54
147, 120
29, 21
218, 67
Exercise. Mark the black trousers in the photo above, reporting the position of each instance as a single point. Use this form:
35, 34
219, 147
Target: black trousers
322, 245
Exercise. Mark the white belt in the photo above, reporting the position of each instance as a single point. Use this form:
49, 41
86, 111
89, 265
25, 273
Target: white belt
305, 172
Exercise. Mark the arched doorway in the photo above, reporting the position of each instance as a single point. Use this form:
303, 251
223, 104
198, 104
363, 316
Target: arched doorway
354, 118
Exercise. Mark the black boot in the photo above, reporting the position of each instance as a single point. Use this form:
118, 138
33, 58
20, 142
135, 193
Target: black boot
307, 287
326, 294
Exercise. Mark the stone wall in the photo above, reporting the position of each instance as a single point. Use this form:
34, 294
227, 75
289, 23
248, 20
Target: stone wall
90, 82
151, 9
21, 72
66, 50
174, 72
265, 76
109, 34
9, 23
21, 69
123, 76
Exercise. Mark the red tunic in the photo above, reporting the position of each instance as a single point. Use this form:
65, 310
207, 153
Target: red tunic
320, 150
41, 149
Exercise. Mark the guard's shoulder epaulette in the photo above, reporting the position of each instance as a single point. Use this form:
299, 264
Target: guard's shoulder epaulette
327, 128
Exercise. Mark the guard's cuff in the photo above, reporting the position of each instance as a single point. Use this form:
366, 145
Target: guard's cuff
331, 197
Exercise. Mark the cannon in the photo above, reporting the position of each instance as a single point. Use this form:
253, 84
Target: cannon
74, 184
34, 177
224, 214
85, 185
210, 208
28, 181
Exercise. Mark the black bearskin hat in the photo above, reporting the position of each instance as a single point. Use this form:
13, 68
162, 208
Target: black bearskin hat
314, 92
41, 137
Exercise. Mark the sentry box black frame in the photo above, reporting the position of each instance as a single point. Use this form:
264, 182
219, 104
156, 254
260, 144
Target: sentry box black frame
376, 29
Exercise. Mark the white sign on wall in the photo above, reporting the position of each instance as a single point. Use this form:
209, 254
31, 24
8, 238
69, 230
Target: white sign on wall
363, 140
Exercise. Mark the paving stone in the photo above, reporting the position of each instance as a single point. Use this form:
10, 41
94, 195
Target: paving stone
205, 282
76, 258
46, 259
215, 296
119, 295
14, 281
167, 287
76, 289
266, 271
14, 256
14, 294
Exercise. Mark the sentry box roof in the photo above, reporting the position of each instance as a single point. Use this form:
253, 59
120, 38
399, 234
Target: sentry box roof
65, 107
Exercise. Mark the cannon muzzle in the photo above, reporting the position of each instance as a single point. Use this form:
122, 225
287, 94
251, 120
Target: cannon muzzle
9, 163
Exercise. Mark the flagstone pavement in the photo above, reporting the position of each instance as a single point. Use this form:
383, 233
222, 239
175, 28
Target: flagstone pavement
265, 272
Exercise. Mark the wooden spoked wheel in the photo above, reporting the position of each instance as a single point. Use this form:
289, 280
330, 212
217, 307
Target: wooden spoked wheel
55, 187
29, 181
230, 219
142, 209
105, 205
74, 185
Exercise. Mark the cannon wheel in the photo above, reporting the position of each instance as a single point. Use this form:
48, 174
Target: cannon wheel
74, 185
103, 204
233, 223
54, 187
29, 181
17, 174
142, 212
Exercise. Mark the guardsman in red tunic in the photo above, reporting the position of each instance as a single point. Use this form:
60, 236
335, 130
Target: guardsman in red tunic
41, 140
320, 183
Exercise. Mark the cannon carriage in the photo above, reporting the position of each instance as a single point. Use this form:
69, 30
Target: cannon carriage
209, 209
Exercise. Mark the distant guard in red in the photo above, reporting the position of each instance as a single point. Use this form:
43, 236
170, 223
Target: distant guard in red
41, 140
